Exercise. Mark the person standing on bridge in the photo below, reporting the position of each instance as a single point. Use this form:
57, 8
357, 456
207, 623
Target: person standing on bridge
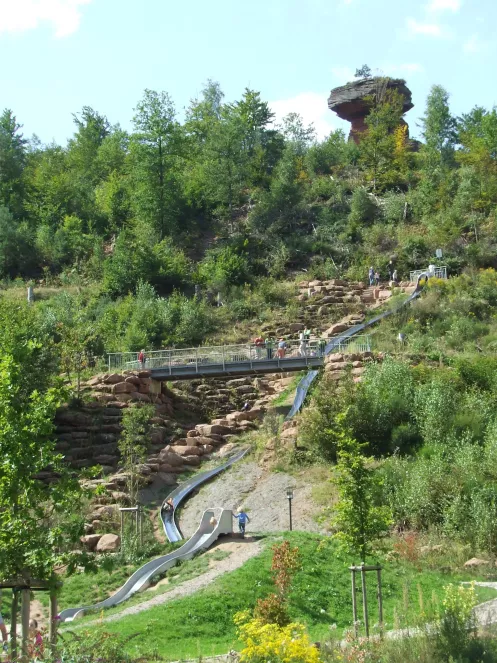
141, 358
259, 343
282, 346
303, 344
269, 343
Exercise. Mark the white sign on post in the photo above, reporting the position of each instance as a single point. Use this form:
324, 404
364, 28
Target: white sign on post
438, 253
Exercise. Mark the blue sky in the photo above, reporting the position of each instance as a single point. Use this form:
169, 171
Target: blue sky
58, 55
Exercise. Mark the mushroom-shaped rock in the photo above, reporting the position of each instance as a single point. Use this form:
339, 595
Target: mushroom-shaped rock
350, 102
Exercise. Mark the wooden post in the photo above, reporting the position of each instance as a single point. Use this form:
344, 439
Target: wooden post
13, 624
380, 602
53, 621
25, 605
364, 600
122, 529
354, 602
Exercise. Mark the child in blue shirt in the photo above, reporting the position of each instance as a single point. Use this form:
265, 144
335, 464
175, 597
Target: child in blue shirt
243, 519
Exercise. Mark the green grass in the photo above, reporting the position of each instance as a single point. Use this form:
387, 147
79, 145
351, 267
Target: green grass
203, 623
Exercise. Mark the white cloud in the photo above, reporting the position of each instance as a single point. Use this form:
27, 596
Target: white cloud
443, 5
313, 108
23, 15
428, 29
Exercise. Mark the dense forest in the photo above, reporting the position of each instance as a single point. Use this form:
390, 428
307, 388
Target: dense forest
231, 202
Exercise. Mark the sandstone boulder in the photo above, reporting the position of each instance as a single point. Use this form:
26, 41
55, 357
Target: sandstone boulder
209, 429
113, 379
189, 451
123, 388
134, 380
90, 541
475, 563
192, 460
109, 543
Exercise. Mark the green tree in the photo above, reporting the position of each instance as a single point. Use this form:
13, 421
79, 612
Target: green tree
359, 521
155, 148
12, 163
363, 72
439, 129
33, 541
295, 131
133, 446
379, 143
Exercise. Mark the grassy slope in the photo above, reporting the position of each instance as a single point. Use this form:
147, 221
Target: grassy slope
203, 623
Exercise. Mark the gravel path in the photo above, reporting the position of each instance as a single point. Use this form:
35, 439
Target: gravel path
240, 552
262, 494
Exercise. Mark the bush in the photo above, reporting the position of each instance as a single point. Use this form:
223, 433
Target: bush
270, 642
222, 268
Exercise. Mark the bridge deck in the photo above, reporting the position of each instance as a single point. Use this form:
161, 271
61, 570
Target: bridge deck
231, 360
235, 368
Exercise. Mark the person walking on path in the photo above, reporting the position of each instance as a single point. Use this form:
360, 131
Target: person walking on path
141, 358
3, 631
395, 277
391, 270
371, 276
243, 519
377, 278
269, 343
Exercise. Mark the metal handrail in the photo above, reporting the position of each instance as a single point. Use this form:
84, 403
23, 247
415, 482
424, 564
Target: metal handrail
437, 272
226, 354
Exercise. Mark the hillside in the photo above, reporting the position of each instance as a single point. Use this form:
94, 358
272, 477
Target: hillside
213, 231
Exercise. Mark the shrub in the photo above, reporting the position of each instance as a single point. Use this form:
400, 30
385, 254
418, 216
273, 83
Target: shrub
457, 624
270, 642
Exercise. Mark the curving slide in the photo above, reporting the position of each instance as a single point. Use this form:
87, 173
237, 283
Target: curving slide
218, 521
214, 523
183, 490
305, 383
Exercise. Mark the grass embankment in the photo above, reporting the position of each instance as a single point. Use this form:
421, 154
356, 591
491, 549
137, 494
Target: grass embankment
203, 623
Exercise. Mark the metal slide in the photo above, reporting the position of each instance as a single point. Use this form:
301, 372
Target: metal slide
305, 383
183, 490
214, 523
204, 537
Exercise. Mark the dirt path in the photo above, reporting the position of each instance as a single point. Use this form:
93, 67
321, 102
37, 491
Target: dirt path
263, 496
240, 552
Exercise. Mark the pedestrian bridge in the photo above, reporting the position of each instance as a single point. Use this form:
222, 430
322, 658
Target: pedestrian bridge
234, 360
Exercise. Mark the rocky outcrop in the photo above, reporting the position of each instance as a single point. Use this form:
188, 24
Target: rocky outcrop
350, 102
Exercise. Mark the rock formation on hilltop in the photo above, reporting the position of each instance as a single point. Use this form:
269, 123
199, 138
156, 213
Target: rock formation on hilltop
349, 101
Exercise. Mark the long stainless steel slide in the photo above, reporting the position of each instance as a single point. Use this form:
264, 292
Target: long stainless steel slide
183, 490
305, 383
214, 523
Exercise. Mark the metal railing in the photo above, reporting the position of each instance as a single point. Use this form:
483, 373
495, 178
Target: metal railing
229, 354
437, 272
361, 343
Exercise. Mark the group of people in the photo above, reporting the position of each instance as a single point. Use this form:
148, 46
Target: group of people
374, 274
269, 345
